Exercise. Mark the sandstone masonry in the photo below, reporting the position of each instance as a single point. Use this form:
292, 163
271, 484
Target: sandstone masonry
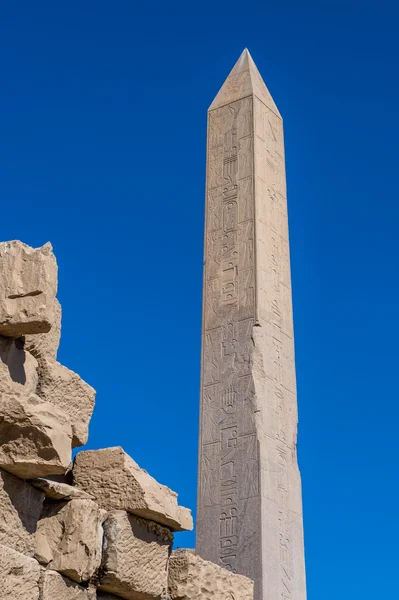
101, 528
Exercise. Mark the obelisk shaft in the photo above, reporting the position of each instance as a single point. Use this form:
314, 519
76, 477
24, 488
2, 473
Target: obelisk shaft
249, 514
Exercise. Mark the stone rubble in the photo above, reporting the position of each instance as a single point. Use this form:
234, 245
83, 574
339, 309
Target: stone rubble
66, 390
28, 285
192, 578
54, 586
19, 576
21, 365
69, 538
56, 490
117, 483
35, 436
135, 558
103, 531
45, 345
20, 509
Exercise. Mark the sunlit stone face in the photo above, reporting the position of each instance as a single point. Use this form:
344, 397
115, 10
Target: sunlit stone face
249, 516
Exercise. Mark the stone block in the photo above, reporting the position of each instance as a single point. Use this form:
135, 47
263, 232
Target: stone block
35, 436
28, 286
53, 586
45, 345
20, 509
118, 483
21, 366
135, 557
69, 538
192, 578
19, 576
65, 389
56, 490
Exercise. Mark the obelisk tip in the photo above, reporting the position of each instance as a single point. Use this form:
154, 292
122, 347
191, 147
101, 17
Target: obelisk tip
244, 80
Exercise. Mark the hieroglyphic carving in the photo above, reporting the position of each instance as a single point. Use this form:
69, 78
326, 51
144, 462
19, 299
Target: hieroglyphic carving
275, 314
212, 350
226, 348
248, 406
209, 474
249, 483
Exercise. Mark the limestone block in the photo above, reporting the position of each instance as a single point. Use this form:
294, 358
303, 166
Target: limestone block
28, 286
35, 436
19, 576
20, 508
192, 578
69, 538
21, 365
56, 490
45, 345
118, 483
135, 557
54, 586
65, 389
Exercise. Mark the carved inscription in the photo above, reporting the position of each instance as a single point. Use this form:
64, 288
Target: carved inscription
284, 527
227, 449
228, 538
250, 483
228, 526
275, 310
248, 390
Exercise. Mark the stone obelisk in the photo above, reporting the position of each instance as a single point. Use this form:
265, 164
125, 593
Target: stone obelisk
249, 516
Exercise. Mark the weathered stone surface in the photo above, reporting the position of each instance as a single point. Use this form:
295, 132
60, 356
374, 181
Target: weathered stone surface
53, 586
192, 578
28, 286
35, 436
249, 513
21, 365
45, 345
101, 596
20, 509
69, 538
117, 482
65, 389
19, 576
135, 557
56, 490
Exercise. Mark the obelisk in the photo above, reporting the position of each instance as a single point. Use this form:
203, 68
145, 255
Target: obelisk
249, 513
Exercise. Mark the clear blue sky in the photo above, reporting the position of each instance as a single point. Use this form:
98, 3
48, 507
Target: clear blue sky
102, 146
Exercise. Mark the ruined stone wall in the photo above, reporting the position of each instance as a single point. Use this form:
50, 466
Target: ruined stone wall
102, 527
